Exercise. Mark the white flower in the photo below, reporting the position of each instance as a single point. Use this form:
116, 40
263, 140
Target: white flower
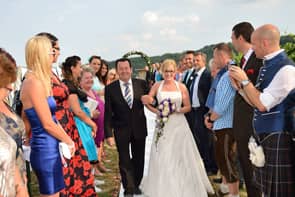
166, 103
160, 107
165, 113
165, 119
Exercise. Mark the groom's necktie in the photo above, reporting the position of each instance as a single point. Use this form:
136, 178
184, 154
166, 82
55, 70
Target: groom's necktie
127, 95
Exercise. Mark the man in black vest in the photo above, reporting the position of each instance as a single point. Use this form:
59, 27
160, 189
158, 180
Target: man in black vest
275, 87
243, 112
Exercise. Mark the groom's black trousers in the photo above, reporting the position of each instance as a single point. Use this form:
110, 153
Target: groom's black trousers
131, 166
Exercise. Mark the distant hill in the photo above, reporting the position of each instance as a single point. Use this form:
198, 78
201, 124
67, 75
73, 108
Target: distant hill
139, 63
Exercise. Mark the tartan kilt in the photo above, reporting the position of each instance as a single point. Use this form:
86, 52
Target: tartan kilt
276, 178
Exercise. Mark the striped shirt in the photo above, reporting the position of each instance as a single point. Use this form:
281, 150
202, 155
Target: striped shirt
224, 103
212, 91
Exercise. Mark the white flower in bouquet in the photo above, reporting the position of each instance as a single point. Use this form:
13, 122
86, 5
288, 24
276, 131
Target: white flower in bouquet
166, 103
165, 112
161, 107
165, 119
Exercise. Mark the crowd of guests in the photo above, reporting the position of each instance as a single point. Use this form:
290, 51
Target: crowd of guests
231, 102
240, 100
53, 110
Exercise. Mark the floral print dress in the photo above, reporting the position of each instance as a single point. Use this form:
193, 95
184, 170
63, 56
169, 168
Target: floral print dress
11, 134
77, 174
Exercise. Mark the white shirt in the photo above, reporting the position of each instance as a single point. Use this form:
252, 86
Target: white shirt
195, 98
247, 56
281, 85
123, 87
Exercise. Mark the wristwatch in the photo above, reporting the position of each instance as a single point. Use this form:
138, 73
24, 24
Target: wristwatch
245, 82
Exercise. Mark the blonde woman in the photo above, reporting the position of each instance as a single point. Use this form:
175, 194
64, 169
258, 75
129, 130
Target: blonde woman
39, 109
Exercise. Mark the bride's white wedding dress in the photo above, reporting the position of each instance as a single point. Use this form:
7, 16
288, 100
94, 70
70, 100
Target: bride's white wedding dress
175, 168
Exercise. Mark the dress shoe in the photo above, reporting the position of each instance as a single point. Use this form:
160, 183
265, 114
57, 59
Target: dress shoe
137, 191
128, 193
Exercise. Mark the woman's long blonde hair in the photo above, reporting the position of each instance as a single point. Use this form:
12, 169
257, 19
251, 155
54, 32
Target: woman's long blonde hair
39, 60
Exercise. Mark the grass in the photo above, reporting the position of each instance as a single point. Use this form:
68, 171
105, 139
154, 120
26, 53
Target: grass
111, 178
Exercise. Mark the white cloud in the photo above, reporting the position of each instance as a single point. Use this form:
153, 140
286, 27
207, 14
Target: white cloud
171, 34
159, 19
147, 36
150, 17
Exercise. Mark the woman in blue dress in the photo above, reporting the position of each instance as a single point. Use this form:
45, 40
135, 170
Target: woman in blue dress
39, 114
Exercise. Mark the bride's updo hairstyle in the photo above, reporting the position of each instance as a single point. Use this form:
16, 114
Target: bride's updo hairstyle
166, 63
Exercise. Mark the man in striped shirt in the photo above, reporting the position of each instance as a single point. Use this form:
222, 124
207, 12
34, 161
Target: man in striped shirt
220, 119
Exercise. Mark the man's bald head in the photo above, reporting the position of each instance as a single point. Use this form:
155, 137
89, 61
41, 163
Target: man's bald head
266, 40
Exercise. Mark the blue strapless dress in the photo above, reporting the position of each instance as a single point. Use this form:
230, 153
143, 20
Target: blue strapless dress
45, 157
85, 134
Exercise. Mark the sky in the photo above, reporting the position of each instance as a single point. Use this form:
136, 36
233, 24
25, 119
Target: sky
112, 28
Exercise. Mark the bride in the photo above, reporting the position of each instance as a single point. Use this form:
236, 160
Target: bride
175, 168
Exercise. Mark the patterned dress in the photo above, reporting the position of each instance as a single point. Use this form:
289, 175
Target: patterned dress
11, 132
77, 174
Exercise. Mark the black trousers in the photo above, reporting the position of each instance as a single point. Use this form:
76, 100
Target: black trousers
131, 166
203, 137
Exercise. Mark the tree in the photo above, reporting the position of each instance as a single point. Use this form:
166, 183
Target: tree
290, 47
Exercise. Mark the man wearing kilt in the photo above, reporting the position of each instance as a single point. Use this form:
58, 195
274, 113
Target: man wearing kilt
272, 96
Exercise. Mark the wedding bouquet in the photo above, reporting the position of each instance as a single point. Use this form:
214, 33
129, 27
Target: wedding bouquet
166, 108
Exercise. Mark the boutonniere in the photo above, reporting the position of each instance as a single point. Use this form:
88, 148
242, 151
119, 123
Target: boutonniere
191, 78
250, 71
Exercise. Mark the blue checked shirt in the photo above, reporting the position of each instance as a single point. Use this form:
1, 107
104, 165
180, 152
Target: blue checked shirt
211, 95
224, 103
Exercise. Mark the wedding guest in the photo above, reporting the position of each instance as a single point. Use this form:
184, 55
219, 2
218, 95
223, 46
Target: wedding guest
95, 64
214, 69
198, 93
175, 168
86, 83
189, 64
271, 97
243, 112
220, 120
124, 112
12, 130
77, 172
112, 76
39, 109
71, 68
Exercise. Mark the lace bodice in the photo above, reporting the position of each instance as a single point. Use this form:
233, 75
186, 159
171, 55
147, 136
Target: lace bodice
175, 96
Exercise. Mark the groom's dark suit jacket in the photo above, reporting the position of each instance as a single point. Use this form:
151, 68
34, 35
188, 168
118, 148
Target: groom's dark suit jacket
242, 126
129, 128
119, 116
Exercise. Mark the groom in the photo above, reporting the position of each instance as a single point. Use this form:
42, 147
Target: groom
124, 112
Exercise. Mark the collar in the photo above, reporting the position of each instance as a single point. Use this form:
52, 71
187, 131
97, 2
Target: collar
248, 54
200, 71
122, 82
272, 55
